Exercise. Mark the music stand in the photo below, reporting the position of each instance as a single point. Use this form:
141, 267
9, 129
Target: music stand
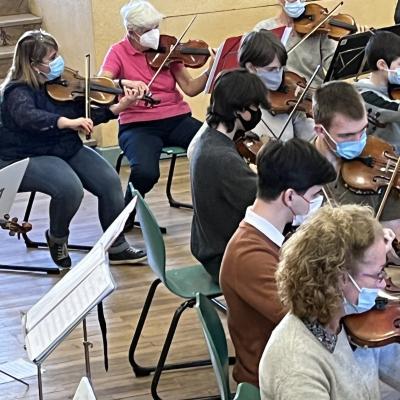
349, 58
68, 303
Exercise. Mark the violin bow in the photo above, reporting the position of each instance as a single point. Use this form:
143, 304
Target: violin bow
178, 41
315, 28
234, 9
299, 100
388, 189
87, 91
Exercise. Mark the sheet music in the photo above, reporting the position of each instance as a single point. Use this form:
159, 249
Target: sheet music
67, 302
84, 391
117, 226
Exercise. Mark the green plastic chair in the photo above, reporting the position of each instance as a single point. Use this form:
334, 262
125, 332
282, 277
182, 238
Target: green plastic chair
216, 342
247, 391
184, 282
218, 348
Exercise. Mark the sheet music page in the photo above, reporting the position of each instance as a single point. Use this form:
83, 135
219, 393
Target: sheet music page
64, 306
117, 226
84, 391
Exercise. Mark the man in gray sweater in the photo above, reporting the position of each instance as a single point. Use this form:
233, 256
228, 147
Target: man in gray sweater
223, 185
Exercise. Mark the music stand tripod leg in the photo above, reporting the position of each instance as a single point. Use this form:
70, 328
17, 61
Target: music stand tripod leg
87, 345
14, 377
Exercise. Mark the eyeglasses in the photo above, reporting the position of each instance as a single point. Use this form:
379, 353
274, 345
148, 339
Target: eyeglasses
379, 277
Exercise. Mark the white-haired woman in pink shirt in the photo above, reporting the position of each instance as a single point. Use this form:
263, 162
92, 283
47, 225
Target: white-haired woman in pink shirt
143, 131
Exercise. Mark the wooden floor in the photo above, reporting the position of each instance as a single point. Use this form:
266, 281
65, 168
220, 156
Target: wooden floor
65, 367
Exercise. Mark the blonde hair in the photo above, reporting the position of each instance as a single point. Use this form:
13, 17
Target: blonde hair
30, 49
314, 259
140, 14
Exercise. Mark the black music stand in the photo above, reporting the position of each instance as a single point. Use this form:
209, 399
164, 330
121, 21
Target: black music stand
349, 58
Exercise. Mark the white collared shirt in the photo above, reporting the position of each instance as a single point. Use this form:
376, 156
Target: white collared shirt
264, 227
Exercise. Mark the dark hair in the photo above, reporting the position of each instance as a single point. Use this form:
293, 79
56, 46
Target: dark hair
382, 45
294, 164
235, 90
260, 49
337, 97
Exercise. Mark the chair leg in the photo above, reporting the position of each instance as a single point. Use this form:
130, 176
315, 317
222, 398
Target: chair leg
167, 344
220, 306
172, 201
138, 369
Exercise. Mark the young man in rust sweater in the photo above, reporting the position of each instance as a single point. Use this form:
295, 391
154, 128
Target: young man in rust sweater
290, 178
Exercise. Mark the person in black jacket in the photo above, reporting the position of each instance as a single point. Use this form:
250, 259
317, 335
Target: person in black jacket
60, 165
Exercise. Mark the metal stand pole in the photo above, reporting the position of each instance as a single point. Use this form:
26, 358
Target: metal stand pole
87, 345
39, 376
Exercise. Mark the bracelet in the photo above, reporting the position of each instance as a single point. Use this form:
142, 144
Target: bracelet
120, 83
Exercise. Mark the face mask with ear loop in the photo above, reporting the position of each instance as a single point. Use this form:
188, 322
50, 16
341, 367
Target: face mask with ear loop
149, 39
366, 299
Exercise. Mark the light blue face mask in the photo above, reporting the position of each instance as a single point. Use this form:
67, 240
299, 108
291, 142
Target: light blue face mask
352, 149
366, 299
56, 68
295, 9
272, 79
394, 76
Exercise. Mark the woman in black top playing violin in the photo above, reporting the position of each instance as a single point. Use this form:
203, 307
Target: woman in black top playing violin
60, 165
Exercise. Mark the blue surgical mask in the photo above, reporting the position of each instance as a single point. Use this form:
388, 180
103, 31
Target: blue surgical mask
394, 76
272, 79
366, 299
352, 149
56, 68
295, 9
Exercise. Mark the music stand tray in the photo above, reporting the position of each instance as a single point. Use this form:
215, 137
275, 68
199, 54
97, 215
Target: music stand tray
349, 58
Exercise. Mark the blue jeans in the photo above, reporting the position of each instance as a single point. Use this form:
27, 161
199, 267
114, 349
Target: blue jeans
142, 143
64, 181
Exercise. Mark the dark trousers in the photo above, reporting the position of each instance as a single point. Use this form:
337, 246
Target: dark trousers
64, 181
142, 143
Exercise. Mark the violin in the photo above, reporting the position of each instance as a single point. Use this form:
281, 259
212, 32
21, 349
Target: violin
71, 86
377, 327
248, 146
372, 169
335, 27
193, 53
284, 99
12, 225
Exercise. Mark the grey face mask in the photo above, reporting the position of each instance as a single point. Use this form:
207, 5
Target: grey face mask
272, 79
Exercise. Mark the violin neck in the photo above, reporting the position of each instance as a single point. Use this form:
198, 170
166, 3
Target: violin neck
344, 25
105, 89
194, 51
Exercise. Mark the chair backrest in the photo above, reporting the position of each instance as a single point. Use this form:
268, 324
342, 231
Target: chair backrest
153, 239
247, 391
216, 342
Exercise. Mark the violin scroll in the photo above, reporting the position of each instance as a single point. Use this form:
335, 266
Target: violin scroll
14, 228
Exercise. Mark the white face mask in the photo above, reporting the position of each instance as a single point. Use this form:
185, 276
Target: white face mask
295, 9
150, 39
394, 76
315, 204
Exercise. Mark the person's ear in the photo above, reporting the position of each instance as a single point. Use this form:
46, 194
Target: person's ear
250, 67
381, 65
319, 130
